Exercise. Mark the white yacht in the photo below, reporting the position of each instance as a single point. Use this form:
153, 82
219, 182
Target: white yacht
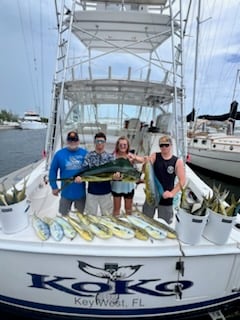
32, 120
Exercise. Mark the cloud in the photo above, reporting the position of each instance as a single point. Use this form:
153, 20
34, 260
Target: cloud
218, 57
28, 52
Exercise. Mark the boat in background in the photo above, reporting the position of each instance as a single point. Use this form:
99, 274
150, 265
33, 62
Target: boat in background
32, 120
132, 84
9, 125
213, 144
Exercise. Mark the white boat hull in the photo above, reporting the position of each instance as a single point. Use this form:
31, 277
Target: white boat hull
223, 158
64, 280
30, 125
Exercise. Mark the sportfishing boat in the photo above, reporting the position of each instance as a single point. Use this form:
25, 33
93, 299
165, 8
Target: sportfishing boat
130, 83
213, 145
32, 120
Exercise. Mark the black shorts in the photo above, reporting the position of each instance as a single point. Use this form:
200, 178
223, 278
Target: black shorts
124, 195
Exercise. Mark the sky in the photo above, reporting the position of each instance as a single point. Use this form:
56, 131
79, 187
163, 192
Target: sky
218, 57
28, 51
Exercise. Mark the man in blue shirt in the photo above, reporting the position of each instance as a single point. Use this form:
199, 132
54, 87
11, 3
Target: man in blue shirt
68, 161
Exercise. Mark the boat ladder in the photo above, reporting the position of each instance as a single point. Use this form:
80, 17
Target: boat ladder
65, 31
217, 315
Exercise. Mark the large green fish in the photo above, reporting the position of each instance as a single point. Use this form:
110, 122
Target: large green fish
105, 172
153, 188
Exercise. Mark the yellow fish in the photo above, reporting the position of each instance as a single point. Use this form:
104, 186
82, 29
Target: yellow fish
81, 230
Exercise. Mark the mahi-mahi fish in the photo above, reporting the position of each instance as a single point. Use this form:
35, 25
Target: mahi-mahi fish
81, 229
56, 229
41, 228
140, 233
153, 188
171, 233
118, 230
96, 227
69, 231
105, 172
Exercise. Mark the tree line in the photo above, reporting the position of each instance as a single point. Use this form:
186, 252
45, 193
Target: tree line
8, 116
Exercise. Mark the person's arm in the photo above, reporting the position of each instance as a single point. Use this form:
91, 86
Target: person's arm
180, 173
53, 176
142, 159
151, 158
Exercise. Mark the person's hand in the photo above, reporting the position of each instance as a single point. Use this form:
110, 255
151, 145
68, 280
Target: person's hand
55, 192
131, 156
78, 179
167, 194
117, 176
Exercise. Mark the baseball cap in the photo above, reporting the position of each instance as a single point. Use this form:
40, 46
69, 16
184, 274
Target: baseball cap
72, 136
165, 139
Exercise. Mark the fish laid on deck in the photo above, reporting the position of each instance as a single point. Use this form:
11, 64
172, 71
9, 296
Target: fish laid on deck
118, 230
81, 229
97, 228
56, 229
69, 231
140, 233
41, 228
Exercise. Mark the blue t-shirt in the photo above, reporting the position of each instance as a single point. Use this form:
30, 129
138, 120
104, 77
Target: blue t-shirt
94, 159
68, 163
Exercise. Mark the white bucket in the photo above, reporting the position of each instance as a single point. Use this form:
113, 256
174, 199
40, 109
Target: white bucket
14, 218
218, 227
189, 227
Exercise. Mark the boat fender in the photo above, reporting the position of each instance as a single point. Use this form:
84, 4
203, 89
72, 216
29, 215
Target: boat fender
188, 158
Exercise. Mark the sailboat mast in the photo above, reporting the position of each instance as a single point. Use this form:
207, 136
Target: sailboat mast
196, 56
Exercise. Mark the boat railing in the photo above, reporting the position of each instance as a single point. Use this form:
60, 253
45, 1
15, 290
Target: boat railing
88, 127
121, 6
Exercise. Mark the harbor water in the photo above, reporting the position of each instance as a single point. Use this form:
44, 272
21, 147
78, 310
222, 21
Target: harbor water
20, 148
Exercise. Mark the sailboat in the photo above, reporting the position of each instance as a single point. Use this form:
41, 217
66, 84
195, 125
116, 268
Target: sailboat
131, 83
213, 144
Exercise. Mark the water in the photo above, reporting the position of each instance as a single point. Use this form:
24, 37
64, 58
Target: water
20, 148
231, 184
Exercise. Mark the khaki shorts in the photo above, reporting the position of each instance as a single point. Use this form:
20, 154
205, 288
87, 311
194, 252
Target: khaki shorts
95, 202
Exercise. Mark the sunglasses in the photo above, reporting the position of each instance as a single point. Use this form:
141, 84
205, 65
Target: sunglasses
72, 139
99, 141
122, 145
164, 145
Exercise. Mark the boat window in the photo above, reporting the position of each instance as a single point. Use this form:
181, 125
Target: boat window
231, 148
195, 140
134, 6
204, 141
214, 146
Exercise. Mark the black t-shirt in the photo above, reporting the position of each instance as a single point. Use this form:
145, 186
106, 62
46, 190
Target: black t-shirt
165, 172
